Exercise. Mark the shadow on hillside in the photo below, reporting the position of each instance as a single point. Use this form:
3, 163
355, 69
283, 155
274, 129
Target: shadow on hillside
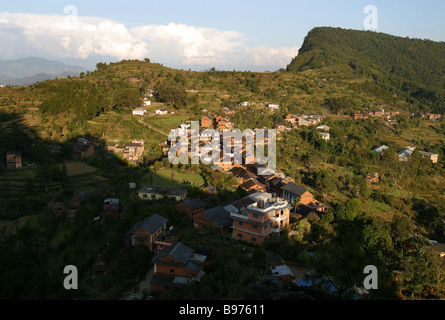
51, 171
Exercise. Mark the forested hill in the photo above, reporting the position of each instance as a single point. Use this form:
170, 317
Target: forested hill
411, 68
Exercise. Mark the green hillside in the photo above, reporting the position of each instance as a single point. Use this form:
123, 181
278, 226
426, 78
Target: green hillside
337, 72
411, 68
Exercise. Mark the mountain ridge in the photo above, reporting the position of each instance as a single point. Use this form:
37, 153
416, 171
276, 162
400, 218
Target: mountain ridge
25, 71
412, 68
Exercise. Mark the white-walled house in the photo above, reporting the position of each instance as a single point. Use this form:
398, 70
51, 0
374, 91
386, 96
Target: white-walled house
140, 112
325, 135
161, 111
147, 102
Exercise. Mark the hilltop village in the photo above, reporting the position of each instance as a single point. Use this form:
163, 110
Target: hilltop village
93, 185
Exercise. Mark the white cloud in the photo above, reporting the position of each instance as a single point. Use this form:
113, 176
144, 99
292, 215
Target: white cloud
267, 56
191, 44
74, 36
172, 44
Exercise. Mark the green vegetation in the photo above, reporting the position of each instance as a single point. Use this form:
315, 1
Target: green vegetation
411, 68
173, 178
386, 224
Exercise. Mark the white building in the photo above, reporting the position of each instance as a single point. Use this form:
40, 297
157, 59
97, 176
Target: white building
380, 149
325, 135
405, 153
147, 102
161, 111
140, 112
323, 127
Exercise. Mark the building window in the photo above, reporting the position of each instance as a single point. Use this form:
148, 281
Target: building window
172, 270
254, 227
240, 223
253, 239
240, 235
255, 215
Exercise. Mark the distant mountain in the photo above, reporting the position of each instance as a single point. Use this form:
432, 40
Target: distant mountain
412, 68
30, 70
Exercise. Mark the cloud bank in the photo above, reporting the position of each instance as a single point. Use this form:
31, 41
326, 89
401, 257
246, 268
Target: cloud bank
172, 44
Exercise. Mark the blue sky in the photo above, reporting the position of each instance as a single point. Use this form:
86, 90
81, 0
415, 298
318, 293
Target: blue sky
243, 34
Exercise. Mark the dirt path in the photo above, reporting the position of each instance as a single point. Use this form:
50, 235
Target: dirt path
143, 286
149, 126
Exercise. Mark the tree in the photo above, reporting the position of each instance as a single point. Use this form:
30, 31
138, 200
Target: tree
350, 209
171, 92
126, 99
419, 266
45, 173
376, 236
396, 169
296, 203
339, 261
325, 183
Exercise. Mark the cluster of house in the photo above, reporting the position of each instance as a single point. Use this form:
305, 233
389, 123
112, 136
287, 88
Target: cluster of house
270, 106
254, 218
111, 206
131, 151
324, 131
430, 116
218, 123
374, 113
213, 143
303, 119
13, 159
84, 147
72, 206
406, 152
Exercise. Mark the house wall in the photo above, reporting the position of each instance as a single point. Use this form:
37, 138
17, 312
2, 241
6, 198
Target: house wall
143, 233
190, 213
180, 271
201, 220
305, 198
13, 161
149, 196
89, 152
285, 278
206, 123
252, 238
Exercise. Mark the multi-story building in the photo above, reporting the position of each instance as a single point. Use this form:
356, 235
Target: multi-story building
259, 220
13, 159
177, 264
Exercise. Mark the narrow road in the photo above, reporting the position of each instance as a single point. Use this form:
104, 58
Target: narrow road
149, 126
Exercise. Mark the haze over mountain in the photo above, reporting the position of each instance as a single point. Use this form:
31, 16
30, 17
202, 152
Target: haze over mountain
29, 70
